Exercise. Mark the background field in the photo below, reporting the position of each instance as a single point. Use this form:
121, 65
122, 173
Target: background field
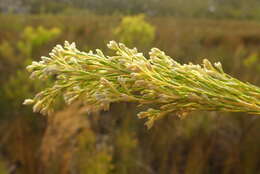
116, 142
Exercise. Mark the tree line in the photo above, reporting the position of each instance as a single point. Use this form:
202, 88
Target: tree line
241, 9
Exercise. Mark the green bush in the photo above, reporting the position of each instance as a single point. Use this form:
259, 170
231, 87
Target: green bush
135, 31
32, 39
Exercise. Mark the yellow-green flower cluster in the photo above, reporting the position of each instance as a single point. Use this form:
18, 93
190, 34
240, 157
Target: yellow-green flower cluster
97, 81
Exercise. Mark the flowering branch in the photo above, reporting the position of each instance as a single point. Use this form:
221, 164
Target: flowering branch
97, 81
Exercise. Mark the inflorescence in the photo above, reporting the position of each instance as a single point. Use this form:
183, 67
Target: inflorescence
97, 81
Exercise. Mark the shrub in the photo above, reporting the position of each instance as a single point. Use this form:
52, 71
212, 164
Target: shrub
33, 38
134, 30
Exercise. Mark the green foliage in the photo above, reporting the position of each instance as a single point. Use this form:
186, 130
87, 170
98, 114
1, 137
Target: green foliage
18, 53
34, 38
135, 31
125, 147
252, 61
99, 163
98, 80
15, 54
7, 54
94, 158
13, 96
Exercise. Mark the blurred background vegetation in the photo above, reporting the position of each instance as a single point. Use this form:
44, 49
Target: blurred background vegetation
116, 142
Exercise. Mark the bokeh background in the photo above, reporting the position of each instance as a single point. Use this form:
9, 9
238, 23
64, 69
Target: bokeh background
117, 142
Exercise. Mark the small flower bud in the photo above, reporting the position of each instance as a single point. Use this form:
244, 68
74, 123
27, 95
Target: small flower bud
112, 45
46, 59
219, 67
28, 102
